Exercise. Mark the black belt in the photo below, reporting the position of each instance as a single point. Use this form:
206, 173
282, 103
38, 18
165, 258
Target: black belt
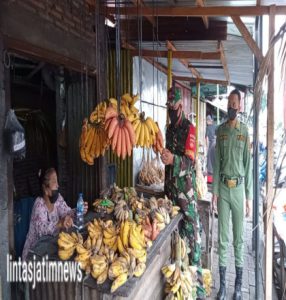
231, 182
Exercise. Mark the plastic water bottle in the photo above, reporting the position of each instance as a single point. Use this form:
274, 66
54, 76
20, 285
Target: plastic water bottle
79, 211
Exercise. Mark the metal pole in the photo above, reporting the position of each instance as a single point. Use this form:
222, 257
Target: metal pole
169, 77
256, 193
217, 109
197, 115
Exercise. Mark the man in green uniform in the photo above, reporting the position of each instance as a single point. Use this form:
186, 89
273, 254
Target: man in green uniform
179, 157
232, 184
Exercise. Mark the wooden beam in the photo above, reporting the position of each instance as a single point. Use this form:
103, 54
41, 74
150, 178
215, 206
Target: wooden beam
179, 54
174, 29
247, 37
46, 55
270, 170
223, 61
201, 3
211, 11
150, 60
141, 3
202, 80
194, 71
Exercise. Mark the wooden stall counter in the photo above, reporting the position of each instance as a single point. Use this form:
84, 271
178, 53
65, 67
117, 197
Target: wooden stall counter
149, 286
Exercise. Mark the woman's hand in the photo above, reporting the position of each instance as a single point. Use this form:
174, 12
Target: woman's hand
85, 209
67, 222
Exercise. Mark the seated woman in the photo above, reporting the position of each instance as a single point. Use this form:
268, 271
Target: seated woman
50, 211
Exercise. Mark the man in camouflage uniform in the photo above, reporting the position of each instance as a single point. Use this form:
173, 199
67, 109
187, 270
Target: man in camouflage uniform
232, 179
179, 157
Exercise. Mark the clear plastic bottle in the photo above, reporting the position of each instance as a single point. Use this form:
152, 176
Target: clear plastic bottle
79, 211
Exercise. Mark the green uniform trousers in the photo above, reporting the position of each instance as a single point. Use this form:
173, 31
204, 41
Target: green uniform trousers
230, 200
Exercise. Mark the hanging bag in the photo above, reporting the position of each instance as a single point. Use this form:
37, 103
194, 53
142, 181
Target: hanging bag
15, 136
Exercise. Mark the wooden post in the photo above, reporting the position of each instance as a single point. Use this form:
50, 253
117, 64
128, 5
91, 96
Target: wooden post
197, 115
270, 134
169, 77
217, 109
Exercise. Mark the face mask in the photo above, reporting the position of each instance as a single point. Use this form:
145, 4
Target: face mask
54, 197
231, 112
173, 116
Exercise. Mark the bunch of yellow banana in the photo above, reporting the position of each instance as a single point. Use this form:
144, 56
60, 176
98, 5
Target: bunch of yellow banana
121, 211
127, 106
93, 141
67, 244
162, 217
118, 272
175, 211
123, 238
83, 256
99, 268
94, 229
207, 280
145, 131
136, 237
98, 114
179, 283
110, 235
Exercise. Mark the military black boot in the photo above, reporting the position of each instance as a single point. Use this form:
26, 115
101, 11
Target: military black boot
238, 282
222, 292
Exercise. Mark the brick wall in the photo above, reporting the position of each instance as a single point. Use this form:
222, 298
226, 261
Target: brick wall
73, 16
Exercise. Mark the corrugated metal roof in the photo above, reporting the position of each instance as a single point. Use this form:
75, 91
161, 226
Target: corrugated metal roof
239, 58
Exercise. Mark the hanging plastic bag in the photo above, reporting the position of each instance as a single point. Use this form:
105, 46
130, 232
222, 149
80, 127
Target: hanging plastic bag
15, 136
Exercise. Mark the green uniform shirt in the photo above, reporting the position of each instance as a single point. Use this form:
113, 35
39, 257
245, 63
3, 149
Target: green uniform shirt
233, 157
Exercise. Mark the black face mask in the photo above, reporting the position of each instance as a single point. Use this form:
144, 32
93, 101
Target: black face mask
173, 116
231, 112
54, 197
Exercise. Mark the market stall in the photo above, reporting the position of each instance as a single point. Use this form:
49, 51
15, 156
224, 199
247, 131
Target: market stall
147, 286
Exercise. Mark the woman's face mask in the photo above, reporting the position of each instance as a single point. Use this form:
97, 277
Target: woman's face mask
55, 194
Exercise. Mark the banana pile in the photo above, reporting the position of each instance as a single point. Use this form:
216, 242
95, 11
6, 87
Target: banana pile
120, 132
162, 217
67, 244
158, 145
145, 131
121, 211
180, 280
93, 141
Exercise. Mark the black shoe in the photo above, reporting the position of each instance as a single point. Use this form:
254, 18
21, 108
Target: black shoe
238, 282
222, 292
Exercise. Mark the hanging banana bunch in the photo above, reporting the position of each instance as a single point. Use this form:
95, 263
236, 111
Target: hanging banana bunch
93, 141
120, 132
159, 141
145, 131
